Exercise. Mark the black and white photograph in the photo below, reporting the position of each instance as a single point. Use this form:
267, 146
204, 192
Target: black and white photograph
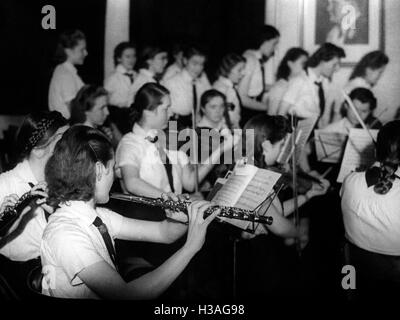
199, 158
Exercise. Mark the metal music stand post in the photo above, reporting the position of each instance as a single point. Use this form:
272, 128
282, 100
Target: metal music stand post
271, 197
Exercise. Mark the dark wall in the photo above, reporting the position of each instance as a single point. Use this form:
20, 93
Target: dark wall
220, 26
27, 51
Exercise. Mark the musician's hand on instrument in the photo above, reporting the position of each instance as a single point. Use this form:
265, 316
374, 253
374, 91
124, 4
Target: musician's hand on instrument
169, 196
41, 190
314, 174
8, 201
42, 203
184, 197
177, 216
198, 225
318, 189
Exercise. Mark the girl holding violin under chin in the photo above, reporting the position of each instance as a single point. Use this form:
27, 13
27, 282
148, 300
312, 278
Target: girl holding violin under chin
269, 136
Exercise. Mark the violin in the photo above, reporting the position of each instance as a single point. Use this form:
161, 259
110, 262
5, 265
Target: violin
305, 181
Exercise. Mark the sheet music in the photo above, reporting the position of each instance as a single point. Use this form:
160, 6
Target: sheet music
304, 129
359, 151
246, 189
329, 145
237, 182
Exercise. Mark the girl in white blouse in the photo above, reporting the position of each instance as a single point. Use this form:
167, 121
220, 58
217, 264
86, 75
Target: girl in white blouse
292, 65
269, 138
370, 207
152, 63
142, 163
90, 107
36, 139
365, 74
231, 71
120, 84
65, 82
368, 71
77, 251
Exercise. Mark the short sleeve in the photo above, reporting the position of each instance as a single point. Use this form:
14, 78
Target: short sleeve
129, 154
292, 91
112, 220
74, 251
68, 87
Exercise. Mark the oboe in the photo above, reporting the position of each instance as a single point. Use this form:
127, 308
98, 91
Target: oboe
226, 212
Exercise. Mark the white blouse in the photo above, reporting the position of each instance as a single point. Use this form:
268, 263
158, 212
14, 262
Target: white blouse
64, 85
26, 245
144, 76
71, 243
135, 150
181, 90
120, 87
225, 86
302, 95
371, 220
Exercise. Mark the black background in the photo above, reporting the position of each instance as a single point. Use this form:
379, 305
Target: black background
27, 50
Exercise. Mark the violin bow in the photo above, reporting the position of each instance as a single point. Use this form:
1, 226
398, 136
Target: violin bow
294, 170
362, 123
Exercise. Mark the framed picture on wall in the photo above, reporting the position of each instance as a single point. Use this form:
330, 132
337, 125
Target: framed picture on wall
355, 25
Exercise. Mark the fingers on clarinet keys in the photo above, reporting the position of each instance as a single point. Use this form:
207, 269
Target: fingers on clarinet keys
9, 201
198, 224
169, 196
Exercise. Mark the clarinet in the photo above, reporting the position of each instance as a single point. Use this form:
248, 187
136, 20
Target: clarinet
226, 212
10, 214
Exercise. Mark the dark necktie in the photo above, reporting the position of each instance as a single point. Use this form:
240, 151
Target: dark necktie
260, 96
130, 76
194, 90
238, 97
321, 96
107, 238
167, 164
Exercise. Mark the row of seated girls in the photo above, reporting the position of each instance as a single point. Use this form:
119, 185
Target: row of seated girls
70, 156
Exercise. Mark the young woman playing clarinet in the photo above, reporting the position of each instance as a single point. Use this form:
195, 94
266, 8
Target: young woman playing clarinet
20, 244
36, 139
77, 250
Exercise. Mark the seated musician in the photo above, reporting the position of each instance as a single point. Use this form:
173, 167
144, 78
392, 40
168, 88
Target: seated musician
365, 103
20, 241
214, 124
213, 110
270, 133
140, 158
370, 206
77, 251
264, 252
90, 107
36, 139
